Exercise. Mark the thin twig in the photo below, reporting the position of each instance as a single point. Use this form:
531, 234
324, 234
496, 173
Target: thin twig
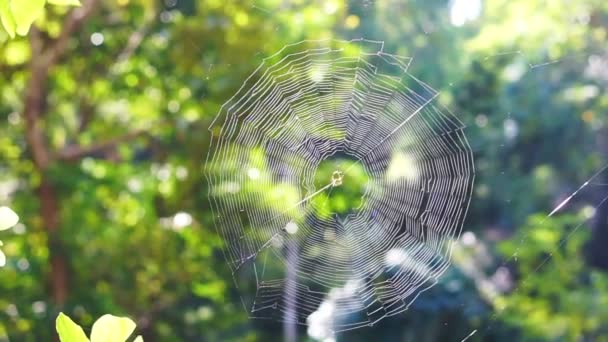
74, 153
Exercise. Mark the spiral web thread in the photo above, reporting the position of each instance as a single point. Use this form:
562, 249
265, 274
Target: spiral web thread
312, 101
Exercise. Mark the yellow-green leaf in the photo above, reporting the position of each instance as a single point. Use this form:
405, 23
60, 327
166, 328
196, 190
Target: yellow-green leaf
8, 218
68, 330
6, 17
25, 12
2, 257
65, 2
110, 328
138, 339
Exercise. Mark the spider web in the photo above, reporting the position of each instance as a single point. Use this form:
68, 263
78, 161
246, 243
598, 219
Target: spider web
315, 101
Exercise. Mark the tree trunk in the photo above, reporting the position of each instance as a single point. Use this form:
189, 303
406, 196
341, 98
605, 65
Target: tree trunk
34, 106
45, 54
49, 209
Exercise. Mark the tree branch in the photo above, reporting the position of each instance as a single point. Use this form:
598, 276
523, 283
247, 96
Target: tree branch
33, 104
73, 23
75, 152
36, 91
134, 41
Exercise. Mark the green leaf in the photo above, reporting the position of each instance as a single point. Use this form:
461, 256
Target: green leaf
2, 257
25, 12
110, 328
8, 218
65, 2
6, 17
68, 330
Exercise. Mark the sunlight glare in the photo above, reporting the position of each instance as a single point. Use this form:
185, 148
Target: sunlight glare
462, 11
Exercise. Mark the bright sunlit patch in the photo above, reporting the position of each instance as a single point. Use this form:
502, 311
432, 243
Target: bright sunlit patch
163, 172
330, 7
97, 39
277, 241
588, 211
514, 71
481, 120
352, 22
402, 166
173, 106
135, 185
181, 220
462, 11
468, 239
291, 228
510, 128
39, 307
321, 322
317, 73
181, 172
253, 173
405, 259
395, 257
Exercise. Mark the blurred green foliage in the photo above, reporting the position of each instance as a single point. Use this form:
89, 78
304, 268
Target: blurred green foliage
560, 297
135, 226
